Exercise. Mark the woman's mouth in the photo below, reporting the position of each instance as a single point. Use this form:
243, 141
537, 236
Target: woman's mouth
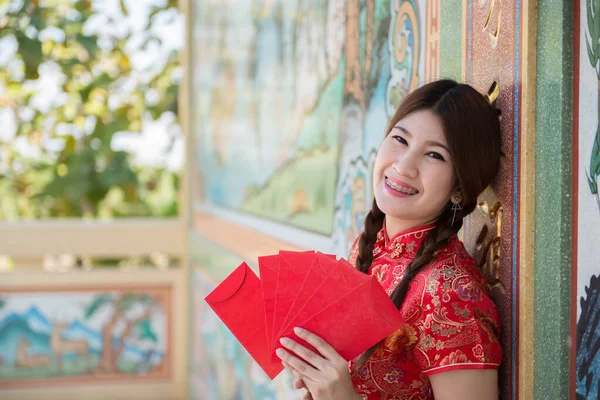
399, 188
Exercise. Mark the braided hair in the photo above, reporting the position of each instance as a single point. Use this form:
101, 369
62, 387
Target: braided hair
472, 129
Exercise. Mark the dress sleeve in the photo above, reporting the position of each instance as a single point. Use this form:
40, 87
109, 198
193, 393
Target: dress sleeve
459, 326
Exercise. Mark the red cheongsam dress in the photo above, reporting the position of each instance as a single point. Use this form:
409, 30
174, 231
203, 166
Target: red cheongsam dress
451, 322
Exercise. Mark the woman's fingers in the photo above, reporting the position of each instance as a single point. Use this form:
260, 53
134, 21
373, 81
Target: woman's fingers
306, 395
299, 384
310, 356
304, 392
296, 366
322, 346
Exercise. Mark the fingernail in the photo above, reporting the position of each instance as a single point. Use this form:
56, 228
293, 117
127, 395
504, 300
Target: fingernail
298, 331
284, 341
279, 352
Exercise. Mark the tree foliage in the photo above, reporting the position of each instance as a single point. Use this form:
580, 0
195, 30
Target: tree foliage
98, 303
593, 51
137, 327
61, 161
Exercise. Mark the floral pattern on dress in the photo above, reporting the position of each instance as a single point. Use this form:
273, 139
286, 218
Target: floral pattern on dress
450, 321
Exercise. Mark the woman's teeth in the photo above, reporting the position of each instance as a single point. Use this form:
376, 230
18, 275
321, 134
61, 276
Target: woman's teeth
399, 188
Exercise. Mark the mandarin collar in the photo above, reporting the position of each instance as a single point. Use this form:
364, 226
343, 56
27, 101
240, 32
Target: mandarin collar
403, 244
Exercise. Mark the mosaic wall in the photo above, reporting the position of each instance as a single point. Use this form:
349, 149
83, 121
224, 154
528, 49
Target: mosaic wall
294, 97
290, 103
78, 335
492, 53
587, 176
219, 367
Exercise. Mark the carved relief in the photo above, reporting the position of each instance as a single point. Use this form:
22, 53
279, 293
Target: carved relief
488, 244
492, 9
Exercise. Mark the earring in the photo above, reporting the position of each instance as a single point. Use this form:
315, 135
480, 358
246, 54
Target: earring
455, 207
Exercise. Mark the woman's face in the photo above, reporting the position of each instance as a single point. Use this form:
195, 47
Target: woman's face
414, 177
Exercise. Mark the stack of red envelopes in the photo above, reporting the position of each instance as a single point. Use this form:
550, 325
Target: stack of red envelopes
311, 290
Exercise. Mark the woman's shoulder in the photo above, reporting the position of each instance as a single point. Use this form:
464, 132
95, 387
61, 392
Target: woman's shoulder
454, 261
457, 318
452, 280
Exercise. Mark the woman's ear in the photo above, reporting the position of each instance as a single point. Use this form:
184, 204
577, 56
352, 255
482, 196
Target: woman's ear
457, 196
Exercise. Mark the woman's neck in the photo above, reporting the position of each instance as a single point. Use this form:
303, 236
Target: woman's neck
394, 226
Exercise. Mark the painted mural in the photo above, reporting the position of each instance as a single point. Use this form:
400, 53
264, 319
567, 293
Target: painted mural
270, 99
50, 336
292, 101
220, 368
384, 42
587, 375
289, 94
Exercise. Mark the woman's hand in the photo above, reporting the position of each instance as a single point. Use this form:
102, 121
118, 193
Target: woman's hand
299, 384
326, 377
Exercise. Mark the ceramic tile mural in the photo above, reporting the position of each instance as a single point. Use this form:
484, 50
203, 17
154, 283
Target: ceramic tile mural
78, 335
587, 375
220, 368
291, 101
291, 94
270, 91
378, 75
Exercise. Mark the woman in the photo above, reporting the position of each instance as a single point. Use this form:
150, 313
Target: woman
441, 151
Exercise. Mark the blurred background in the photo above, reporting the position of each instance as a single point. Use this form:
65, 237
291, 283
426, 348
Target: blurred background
88, 109
91, 164
148, 147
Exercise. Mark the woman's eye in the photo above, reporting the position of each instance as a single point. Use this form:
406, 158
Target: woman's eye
437, 156
400, 139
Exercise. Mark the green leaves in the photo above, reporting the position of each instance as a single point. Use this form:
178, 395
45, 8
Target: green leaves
37, 19
96, 304
86, 177
123, 8
591, 53
101, 81
146, 332
126, 302
593, 43
31, 53
594, 173
593, 50
90, 43
131, 299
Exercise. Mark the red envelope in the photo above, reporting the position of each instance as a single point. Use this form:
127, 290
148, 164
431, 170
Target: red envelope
324, 265
342, 280
238, 301
355, 322
268, 267
293, 268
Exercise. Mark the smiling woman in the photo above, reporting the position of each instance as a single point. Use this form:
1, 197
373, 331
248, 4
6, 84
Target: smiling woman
414, 176
442, 150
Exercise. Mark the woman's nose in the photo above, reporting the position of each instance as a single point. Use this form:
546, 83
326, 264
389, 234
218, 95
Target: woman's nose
406, 166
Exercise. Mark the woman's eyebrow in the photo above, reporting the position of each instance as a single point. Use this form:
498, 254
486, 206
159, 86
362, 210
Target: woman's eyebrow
437, 144
428, 143
403, 129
